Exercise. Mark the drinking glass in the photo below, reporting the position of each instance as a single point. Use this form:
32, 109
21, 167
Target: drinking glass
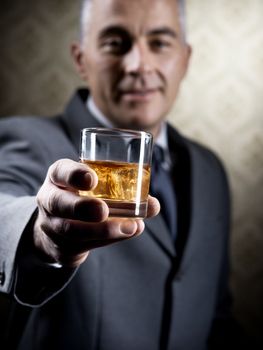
122, 160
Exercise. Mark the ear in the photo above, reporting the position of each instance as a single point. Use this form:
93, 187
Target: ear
188, 54
79, 60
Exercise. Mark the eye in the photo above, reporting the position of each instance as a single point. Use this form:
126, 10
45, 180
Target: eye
115, 45
159, 44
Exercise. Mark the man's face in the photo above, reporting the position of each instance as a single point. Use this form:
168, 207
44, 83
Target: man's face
133, 58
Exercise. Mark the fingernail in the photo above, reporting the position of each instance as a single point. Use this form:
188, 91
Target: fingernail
128, 227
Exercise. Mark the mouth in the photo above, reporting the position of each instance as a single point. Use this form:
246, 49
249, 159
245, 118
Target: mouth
138, 95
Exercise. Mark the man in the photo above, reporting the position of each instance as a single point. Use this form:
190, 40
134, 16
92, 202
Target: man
161, 290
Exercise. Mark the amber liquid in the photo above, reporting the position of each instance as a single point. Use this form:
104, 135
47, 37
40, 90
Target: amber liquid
122, 186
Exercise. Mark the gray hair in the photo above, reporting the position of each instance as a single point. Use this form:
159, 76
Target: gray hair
86, 10
84, 17
182, 17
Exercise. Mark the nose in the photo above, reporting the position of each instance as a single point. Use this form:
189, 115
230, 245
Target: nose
138, 60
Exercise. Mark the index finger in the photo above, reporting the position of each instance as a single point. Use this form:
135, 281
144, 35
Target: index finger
67, 173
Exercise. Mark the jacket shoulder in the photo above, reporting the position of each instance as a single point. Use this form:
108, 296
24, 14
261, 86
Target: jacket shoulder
206, 165
28, 146
209, 159
44, 136
30, 126
198, 152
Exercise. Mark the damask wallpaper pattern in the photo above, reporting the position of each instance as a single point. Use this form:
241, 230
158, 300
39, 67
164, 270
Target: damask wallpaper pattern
220, 104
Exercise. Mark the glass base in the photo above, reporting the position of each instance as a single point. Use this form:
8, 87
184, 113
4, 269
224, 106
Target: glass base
126, 209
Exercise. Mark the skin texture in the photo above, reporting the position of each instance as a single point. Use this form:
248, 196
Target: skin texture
132, 58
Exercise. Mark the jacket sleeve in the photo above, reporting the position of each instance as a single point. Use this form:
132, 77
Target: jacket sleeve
23, 165
15, 213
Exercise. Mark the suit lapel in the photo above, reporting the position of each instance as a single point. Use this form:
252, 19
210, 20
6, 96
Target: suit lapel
190, 172
180, 153
182, 173
161, 235
77, 117
192, 225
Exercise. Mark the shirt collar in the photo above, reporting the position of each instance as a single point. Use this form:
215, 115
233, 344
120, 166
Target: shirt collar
162, 139
97, 114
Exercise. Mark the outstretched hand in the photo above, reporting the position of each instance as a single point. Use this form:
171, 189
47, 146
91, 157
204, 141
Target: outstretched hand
68, 226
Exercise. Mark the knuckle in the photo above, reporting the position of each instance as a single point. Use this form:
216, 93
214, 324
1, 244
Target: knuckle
42, 196
76, 207
53, 202
55, 233
56, 170
61, 227
54, 167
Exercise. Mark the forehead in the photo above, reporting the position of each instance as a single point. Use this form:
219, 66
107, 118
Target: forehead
135, 15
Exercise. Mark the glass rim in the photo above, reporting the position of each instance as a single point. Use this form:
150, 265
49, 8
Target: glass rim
116, 132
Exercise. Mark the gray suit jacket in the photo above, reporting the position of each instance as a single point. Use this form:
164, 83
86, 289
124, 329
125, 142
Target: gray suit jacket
144, 294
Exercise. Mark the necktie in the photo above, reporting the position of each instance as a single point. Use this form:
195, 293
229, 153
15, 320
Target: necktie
162, 188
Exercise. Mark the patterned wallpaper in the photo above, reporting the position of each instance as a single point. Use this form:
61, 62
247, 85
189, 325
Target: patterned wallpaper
220, 104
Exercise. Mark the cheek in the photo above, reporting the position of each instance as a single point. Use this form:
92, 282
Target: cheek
108, 74
97, 65
173, 70
108, 66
